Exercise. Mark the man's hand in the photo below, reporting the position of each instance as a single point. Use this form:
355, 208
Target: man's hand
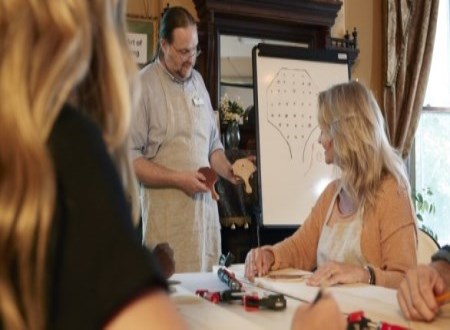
417, 292
192, 182
220, 164
164, 255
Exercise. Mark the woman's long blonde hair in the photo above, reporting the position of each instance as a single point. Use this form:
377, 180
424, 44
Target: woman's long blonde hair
50, 50
350, 115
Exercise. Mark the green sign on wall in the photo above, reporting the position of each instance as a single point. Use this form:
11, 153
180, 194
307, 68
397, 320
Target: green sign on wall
140, 39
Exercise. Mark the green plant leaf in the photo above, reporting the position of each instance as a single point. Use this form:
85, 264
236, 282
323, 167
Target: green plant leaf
420, 198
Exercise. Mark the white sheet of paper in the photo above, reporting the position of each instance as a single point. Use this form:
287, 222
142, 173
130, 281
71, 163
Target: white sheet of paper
378, 303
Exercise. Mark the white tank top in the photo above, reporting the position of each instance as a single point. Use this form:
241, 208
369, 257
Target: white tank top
341, 242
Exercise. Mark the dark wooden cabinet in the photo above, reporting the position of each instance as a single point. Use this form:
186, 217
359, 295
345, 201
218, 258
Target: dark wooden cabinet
300, 21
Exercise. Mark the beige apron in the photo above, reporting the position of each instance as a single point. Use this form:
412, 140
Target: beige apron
189, 224
342, 241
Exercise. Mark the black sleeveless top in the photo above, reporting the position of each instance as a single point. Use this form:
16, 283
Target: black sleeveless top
96, 263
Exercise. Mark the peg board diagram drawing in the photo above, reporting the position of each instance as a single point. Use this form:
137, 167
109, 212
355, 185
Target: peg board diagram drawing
291, 109
291, 163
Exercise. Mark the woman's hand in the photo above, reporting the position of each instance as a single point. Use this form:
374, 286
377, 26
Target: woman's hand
258, 263
335, 272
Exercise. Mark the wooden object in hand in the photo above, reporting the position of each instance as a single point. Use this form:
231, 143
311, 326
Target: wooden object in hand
244, 168
211, 179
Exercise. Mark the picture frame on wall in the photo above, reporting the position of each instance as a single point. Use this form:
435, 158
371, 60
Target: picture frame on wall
140, 39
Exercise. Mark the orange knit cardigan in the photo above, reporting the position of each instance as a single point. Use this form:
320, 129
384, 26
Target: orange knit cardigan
388, 237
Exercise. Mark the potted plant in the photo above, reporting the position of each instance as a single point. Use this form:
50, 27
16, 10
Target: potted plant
424, 206
231, 112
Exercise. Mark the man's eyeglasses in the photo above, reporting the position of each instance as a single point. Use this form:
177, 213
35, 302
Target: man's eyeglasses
187, 53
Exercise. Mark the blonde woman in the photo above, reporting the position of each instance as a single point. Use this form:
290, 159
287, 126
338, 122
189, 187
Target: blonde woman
362, 228
68, 257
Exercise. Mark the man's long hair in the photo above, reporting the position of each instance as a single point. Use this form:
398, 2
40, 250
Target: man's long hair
173, 17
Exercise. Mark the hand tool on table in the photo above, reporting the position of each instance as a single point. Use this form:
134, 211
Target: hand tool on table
358, 321
275, 302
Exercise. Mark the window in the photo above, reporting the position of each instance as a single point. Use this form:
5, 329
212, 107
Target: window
431, 153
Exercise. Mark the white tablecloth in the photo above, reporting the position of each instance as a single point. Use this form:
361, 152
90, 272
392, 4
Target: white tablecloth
378, 303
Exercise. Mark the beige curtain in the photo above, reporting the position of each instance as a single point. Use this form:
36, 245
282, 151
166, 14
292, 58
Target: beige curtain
409, 38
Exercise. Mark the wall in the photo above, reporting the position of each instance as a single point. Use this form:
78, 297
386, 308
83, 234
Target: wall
366, 16
152, 9
338, 29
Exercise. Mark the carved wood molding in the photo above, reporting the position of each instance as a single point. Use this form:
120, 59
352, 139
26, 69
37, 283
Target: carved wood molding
321, 13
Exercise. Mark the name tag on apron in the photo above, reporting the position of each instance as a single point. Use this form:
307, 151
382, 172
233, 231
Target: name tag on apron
198, 101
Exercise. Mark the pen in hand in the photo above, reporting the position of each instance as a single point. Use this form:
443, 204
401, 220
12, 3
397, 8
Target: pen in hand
319, 294
443, 298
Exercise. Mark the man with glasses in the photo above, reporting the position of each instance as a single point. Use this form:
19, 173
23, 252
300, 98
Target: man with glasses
173, 135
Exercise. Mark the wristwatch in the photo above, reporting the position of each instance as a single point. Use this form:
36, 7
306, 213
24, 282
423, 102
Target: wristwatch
442, 254
371, 274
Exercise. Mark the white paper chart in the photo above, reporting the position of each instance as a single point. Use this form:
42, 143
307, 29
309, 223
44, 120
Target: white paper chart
291, 165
